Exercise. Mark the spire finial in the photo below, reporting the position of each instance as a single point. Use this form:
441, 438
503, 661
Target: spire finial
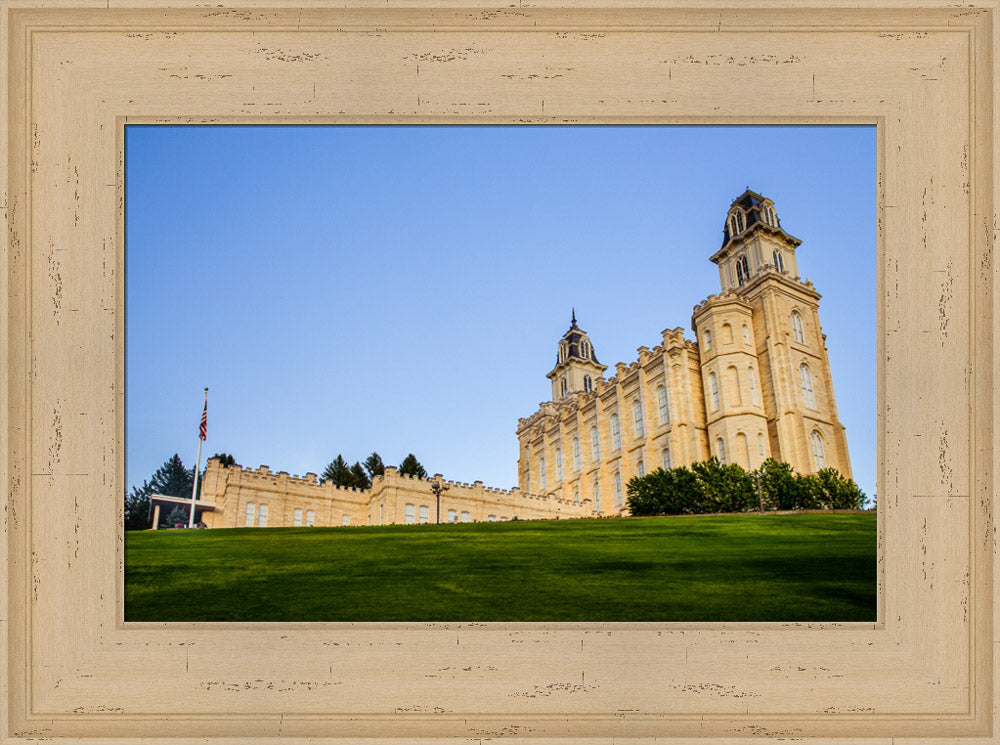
573, 321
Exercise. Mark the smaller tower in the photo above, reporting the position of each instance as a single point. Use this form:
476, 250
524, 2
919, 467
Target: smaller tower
577, 368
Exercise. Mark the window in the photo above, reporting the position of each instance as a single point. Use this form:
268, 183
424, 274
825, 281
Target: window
251, 511
760, 446
310, 518
465, 517
588, 384
807, 386
819, 452
713, 386
491, 518
423, 514
708, 339
559, 475
542, 481
770, 216
779, 261
585, 349
618, 489
597, 497
752, 381
727, 333
736, 223
734, 373
576, 453
262, 517
742, 449
720, 446
296, 518
666, 459
503, 518
664, 403
563, 388
345, 520
742, 269
746, 334
637, 417
640, 468
797, 331
452, 516
616, 433
596, 442
409, 516
563, 351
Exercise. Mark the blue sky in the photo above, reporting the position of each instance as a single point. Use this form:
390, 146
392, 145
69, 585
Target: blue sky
349, 289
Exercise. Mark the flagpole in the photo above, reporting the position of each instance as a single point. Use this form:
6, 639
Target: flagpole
197, 463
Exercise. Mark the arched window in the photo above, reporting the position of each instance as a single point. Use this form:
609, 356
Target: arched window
452, 516
597, 497
563, 388
770, 216
563, 351
595, 441
262, 517
664, 403
559, 465
746, 334
713, 387
708, 339
760, 446
637, 418
742, 449
310, 518
779, 261
797, 331
576, 453
807, 386
465, 517
588, 384
819, 452
585, 349
666, 459
736, 222
409, 514
752, 381
616, 433
251, 513
742, 269
720, 446
618, 489
424, 515
640, 468
297, 517
738, 398
542, 480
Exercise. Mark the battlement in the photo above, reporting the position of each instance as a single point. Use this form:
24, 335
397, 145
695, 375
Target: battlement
278, 479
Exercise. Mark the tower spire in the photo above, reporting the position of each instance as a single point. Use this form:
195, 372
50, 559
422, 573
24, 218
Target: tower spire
572, 324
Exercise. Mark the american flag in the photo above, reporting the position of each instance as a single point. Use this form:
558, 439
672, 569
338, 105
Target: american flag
203, 427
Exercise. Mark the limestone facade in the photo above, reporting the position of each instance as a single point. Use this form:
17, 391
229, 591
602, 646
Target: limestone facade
755, 384
245, 497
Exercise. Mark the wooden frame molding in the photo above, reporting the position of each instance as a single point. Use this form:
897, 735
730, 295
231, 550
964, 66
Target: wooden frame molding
76, 71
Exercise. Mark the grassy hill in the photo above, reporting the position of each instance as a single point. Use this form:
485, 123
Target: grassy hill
804, 567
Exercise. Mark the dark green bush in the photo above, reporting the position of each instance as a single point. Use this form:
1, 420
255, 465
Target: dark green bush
726, 486
676, 491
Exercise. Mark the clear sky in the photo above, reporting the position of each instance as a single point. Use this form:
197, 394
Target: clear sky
349, 289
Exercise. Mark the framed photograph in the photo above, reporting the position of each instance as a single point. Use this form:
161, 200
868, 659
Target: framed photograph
75, 76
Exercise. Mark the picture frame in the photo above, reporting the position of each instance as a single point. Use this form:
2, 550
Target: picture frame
76, 72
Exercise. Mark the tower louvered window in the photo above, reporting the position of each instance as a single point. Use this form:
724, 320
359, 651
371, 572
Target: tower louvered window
808, 395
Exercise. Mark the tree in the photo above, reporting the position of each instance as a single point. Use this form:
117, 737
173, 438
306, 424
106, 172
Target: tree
360, 477
338, 472
726, 486
171, 479
374, 465
137, 515
411, 467
837, 492
225, 459
779, 485
178, 516
675, 491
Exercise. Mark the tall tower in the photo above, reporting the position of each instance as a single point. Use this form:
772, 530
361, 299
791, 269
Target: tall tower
576, 363
766, 323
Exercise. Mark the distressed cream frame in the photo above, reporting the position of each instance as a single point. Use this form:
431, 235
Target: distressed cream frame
76, 71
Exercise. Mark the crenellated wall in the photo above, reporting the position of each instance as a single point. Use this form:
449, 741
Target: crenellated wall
394, 498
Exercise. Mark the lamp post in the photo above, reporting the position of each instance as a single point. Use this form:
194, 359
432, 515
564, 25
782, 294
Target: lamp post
437, 487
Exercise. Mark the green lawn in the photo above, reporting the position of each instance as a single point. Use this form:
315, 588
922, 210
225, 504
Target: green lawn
813, 567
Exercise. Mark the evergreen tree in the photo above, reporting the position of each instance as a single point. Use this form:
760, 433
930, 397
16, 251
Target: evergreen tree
172, 479
360, 477
338, 472
178, 516
411, 467
225, 459
137, 515
374, 465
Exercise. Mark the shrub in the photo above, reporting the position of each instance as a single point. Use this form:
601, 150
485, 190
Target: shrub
780, 487
837, 492
726, 487
676, 491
